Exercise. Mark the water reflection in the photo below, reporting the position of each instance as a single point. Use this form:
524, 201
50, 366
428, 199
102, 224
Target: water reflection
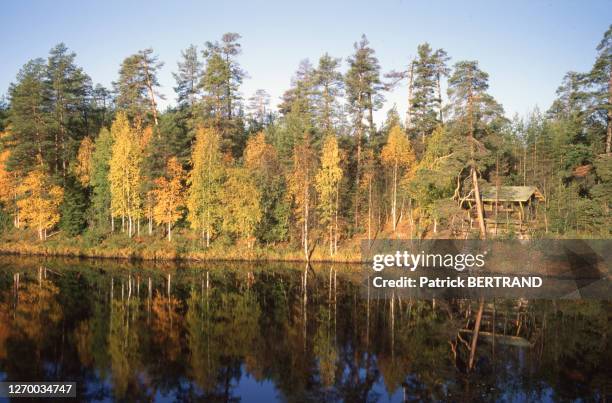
229, 332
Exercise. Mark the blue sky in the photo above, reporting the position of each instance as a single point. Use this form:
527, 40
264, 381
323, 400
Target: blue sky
525, 46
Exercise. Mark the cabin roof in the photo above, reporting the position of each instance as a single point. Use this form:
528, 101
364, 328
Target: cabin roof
510, 193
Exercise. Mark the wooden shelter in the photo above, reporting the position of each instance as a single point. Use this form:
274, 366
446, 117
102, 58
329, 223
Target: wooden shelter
509, 207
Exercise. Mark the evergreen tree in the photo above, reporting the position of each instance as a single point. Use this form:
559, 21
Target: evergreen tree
73, 209
363, 92
29, 118
329, 83
426, 102
600, 79
473, 113
69, 89
137, 86
363, 85
188, 77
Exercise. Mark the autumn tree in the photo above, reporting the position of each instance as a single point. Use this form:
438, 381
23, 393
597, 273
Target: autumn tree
261, 159
204, 200
241, 201
168, 195
300, 186
327, 185
398, 156
8, 186
99, 179
125, 173
40, 201
83, 164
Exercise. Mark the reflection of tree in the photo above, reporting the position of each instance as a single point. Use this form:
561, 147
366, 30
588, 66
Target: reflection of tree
166, 325
122, 347
36, 311
325, 348
200, 343
5, 327
222, 328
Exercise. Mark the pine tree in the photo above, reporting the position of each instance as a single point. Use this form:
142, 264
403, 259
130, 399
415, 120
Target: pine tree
327, 184
29, 136
363, 91
188, 77
329, 83
68, 91
425, 103
397, 155
40, 201
473, 110
73, 208
600, 78
363, 85
205, 181
137, 86
168, 195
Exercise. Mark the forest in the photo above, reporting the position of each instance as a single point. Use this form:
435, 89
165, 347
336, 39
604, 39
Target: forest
90, 170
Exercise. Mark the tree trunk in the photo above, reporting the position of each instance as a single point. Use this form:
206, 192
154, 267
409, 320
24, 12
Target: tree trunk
479, 210
475, 334
609, 135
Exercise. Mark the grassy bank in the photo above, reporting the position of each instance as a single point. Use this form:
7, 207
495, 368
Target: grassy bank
182, 247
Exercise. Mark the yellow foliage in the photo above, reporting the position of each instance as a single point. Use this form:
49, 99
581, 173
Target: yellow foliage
242, 206
327, 181
83, 166
260, 156
301, 177
205, 180
398, 153
40, 201
168, 195
125, 170
7, 179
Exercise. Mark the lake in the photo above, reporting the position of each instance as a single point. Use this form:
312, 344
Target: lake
264, 332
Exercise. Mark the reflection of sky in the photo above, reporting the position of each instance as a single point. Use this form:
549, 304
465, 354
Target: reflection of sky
251, 390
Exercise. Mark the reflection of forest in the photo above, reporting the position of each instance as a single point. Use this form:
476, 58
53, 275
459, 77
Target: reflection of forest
195, 334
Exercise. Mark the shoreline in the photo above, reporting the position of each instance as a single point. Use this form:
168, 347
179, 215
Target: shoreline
189, 257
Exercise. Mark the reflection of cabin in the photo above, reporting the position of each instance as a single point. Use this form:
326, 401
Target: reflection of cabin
508, 207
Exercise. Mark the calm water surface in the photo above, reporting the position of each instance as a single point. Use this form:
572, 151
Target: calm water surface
262, 333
